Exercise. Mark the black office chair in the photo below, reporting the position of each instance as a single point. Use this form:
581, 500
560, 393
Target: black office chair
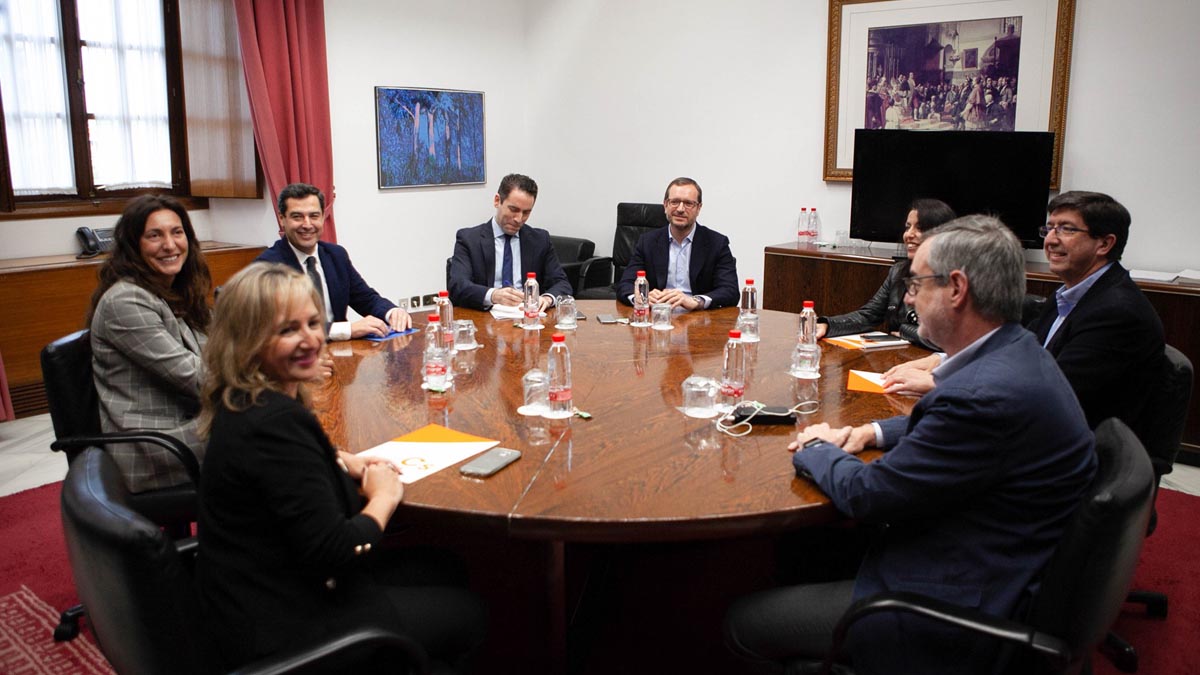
574, 254
75, 415
1083, 585
138, 583
633, 220
1166, 414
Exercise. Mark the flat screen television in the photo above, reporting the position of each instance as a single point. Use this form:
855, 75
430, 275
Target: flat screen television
1002, 173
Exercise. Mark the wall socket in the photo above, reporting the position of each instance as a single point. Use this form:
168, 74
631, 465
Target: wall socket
427, 300
402, 303
414, 302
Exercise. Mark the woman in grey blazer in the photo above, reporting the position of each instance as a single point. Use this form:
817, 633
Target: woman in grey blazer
148, 320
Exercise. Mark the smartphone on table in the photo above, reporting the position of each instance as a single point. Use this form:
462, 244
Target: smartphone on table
490, 462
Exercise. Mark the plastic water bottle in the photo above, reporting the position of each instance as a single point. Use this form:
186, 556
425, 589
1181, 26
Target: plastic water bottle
806, 358
641, 300
445, 312
733, 373
814, 225
803, 235
436, 365
558, 372
749, 304
532, 302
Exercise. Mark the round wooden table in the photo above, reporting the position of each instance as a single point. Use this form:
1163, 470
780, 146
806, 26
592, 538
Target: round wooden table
639, 470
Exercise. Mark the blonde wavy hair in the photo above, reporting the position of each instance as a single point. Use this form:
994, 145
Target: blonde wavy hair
244, 321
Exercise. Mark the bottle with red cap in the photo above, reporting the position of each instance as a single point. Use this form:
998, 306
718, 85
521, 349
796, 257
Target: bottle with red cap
558, 372
532, 304
445, 313
806, 358
641, 300
436, 365
747, 320
733, 373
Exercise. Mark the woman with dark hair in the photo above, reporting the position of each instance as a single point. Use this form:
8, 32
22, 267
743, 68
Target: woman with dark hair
287, 523
887, 306
148, 319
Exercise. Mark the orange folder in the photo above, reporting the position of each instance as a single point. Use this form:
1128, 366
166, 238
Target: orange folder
861, 380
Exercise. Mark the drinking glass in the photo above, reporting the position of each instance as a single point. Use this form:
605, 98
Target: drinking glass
661, 316
566, 313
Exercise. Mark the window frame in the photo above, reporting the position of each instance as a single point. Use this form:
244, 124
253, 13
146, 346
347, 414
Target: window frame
87, 200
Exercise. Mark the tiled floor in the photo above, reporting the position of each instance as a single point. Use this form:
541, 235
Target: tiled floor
26, 460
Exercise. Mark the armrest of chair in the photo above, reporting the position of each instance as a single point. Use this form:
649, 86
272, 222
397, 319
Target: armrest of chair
601, 264
962, 617
401, 650
173, 445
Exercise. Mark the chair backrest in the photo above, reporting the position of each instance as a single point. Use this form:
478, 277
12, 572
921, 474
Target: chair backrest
70, 389
1086, 581
138, 591
1166, 412
633, 220
572, 249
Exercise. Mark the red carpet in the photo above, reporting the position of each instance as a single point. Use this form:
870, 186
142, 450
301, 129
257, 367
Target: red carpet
35, 584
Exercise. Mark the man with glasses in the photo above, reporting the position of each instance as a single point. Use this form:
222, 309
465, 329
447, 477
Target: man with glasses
491, 259
1101, 329
961, 488
688, 265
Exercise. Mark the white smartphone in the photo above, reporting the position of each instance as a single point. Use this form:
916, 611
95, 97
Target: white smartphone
490, 462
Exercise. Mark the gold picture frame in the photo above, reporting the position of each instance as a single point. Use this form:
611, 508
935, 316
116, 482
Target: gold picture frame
1045, 64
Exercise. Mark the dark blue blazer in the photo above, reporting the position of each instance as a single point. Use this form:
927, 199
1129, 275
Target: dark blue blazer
346, 286
474, 264
974, 490
713, 270
1110, 347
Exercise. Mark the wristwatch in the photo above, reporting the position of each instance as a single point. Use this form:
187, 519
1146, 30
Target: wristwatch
812, 442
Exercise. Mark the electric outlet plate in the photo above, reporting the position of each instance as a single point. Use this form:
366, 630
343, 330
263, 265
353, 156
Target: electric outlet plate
402, 303
427, 300
414, 302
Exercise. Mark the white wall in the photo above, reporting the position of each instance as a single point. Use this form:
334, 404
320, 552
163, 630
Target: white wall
606, 101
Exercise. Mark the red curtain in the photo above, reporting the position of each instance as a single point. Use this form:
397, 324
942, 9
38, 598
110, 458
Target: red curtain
283, 55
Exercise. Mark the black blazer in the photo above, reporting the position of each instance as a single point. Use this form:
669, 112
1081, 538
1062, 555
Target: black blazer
713, 270
886, 307
280, 534
474, 264
346, 286
1110, 347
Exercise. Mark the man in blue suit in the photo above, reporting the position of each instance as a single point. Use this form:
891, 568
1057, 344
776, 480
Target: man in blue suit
974, 487
301, 221
491, 259
687, 265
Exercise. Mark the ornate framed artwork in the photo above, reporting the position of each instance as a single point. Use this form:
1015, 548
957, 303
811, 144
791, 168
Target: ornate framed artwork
931, 65
429, 137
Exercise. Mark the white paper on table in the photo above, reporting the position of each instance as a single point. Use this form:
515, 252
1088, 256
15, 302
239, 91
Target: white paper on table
1151, 275
420, 459
510, 312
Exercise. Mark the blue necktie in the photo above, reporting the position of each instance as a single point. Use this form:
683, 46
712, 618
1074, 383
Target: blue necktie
506, 270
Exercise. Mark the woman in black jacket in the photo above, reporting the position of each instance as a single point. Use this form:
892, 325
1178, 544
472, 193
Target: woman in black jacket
289, 527
887, 310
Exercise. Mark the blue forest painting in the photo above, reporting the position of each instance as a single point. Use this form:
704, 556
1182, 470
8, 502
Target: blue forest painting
429, 137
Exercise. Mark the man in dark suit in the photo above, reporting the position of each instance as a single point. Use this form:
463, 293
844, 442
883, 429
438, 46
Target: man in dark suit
973, 489
687, 265
478, 282
1102, 331
301, 221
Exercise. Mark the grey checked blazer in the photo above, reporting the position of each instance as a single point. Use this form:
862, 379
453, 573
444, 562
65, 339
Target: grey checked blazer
147, 368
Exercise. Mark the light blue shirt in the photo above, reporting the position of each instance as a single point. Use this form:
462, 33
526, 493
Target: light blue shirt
679, 266
1067, 298
518, 278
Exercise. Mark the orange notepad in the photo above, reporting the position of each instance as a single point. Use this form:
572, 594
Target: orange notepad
428, 450
861, 380
856, 342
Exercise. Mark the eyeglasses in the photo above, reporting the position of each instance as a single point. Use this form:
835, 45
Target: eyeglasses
685, 203
913, 284
1063, 231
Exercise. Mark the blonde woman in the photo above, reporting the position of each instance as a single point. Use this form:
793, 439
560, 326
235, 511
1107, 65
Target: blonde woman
289, 527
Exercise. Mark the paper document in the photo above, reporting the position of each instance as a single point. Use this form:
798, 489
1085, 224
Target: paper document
857, 342
1190, 277
1151, 275
509, 312
861, 380
428, 450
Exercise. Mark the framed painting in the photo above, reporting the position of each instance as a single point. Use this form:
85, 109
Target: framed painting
933, 65
429, 137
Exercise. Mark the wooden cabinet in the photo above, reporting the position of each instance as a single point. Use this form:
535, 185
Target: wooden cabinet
840, 280
43, 299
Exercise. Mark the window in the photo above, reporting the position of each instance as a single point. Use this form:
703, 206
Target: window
91, 103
